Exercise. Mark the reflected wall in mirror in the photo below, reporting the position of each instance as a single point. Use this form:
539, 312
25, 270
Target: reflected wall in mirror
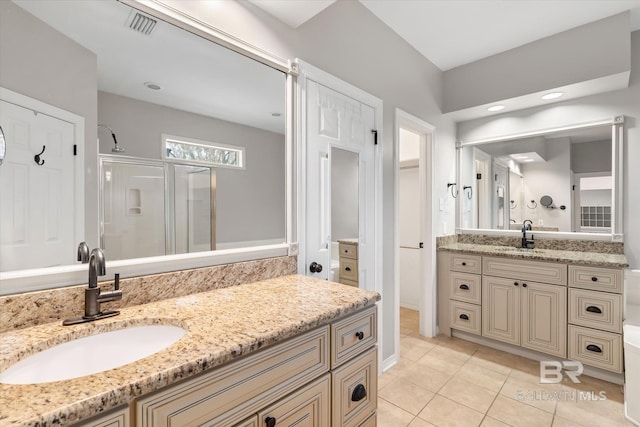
512, 179
143, 84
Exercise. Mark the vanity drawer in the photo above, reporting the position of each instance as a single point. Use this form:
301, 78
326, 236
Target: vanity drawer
597, 310
595, 348
596, 278
370, 422
349, 269
349, 283
465, 287
117, 418
348, 250
225, 395
534, 271
310, 406
355, 390
250, 422
466, 263
466, 317
352, 335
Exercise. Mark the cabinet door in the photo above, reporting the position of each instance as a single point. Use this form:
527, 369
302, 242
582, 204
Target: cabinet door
501, 309
544, 318
308, 407
119, 418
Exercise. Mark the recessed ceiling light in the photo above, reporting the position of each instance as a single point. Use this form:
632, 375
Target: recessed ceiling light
496, 108
528, 160
552, 95
152, 86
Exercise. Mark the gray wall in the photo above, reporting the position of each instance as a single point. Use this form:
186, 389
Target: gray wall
584, 53
591, 108
250, 203
592, 156
54, 69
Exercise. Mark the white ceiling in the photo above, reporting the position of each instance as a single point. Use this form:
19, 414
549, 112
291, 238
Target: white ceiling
451, 33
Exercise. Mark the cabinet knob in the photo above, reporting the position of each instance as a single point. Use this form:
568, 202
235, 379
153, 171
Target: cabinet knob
359, 393
515, 283
347, 269
465, 287
594, 348
270, 421
360, 335
464, 263
594, 279
464, 317
524, 285
594, 309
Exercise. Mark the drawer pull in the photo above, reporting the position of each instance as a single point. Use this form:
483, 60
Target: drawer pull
359, 393
524, 285
270, 421
360, 335
594, 348
347, 269
464, 317
594, 279
465, 287
464, 263
594, 309
515, 283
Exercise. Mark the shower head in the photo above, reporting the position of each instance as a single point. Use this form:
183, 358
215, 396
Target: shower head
116, 148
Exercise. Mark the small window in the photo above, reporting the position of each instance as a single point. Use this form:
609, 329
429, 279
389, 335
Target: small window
202, 152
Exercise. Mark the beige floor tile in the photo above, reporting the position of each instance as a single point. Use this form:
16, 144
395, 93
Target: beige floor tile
541, 396
389, 415
386, 378
492, 422
495, 360
406, 395
485, 378
418, 422
563, 422
443, 412
580, 407
518, 414
424, 377
412, 348
468, 394
459, 345
443, 360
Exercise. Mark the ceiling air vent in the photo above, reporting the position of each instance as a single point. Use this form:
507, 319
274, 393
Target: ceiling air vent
141, 23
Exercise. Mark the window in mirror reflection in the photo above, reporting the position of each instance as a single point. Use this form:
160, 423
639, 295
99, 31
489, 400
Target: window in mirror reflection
181, 148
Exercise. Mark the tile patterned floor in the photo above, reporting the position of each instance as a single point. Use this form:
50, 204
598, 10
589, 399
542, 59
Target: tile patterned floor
446, 382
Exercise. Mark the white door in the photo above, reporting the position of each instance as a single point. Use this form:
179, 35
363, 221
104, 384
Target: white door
37, 214
336, 120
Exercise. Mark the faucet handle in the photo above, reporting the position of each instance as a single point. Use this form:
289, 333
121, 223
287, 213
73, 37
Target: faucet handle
116, 281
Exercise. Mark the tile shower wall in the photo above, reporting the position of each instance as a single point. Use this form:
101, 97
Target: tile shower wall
35, 308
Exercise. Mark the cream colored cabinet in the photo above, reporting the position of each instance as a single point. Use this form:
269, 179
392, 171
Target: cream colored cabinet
595, 317
348, 258
529, 314
465, 293
328, 373
117, 418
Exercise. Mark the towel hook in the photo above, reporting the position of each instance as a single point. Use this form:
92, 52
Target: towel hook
452, 186
535, 205
468, 193
37, 159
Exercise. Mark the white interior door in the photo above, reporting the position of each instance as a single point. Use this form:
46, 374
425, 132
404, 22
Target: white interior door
410, 235
30, 192
336, 120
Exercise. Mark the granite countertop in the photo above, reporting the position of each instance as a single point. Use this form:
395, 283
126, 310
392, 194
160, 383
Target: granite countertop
221, 325
594, 259
353, 241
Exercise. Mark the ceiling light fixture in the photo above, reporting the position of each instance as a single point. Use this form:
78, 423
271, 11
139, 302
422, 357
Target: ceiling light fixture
496, 108
152, 86
552, 95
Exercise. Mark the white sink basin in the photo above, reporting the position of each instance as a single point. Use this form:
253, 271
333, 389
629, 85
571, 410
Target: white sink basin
92, 354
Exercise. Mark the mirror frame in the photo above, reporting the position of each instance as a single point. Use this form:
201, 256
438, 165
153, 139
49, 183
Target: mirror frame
617, 143
21, 281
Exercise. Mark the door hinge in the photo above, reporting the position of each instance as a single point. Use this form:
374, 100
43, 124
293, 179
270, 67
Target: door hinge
478, 176
375, 136
75, 149
573, 187
421, 245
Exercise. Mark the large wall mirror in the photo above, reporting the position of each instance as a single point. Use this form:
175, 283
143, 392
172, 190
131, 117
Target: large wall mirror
192, 141
566, 181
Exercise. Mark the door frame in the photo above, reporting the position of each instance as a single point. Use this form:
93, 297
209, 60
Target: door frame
309, 72
428, 297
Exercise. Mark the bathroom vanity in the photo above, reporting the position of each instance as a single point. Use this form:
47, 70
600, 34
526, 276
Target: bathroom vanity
348, 261
267, 353
566, 304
